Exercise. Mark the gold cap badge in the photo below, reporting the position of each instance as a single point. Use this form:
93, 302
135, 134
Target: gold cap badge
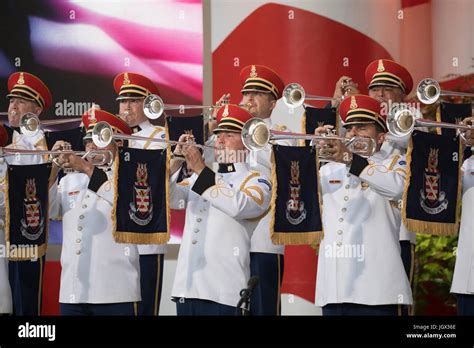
226, 111
126, 81
253, 71
353, 103
21, 79
380, 68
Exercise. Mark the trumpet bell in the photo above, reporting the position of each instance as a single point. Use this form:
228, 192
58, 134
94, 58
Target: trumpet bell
401, 120
255, 134
294, 95
29, 124
153, 106
102, 134
428, 91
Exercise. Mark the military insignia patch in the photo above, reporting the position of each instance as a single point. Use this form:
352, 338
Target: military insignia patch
32, 224
295, 211
141, 209
432, 200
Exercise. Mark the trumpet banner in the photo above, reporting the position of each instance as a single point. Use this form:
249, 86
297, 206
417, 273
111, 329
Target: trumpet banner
296, 202
140, 212
26, 210
453, 113
194, 125
317, 117
431, 199
73, 136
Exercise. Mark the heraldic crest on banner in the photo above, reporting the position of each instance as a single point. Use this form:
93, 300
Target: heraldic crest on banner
32, 223
295, 211
432, 199
141, 209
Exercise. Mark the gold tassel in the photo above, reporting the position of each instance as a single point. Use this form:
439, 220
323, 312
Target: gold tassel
115, 234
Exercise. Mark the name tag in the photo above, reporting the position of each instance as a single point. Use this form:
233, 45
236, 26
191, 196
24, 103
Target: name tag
72, 193
335, 181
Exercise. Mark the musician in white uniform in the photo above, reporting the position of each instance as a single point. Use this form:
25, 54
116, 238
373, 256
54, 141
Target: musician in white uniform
463, 279
131, 91
389, 83
6, 306
99, 276
360, 271
222, 210
27, 93
261, 88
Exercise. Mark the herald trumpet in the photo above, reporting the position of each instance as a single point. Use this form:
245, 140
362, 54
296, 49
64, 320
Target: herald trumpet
403, 119
96, 157
294, 95
429, 91
153, 106
103, 134
30, 124
256, 135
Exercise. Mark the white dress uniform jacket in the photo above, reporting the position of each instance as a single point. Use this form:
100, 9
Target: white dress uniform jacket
95, 269
19, 141
149, 130
222, 210
394, 146
261, 162
463, 279
359, 257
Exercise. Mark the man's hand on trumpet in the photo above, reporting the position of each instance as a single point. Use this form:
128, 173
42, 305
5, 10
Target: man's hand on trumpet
192, 154
331, 149
469, 135
222, 101
344, 87
70, 160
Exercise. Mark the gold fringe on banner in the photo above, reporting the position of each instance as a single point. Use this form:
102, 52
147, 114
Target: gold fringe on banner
291, 238
438, 118
22, 252
141, 238
427, 227
302, 142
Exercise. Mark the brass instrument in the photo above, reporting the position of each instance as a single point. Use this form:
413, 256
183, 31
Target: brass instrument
429, 91
103, 134
97, 157
30, 124
402, 119
294, 95
256, 135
